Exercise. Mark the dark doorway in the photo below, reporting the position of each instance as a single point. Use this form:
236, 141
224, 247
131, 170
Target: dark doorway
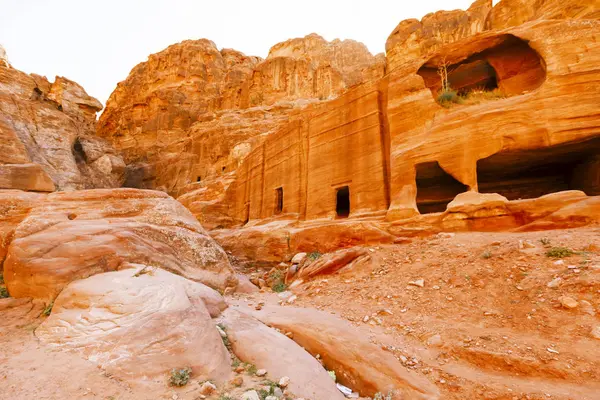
198, 179
342, 202
435, 188
278, 200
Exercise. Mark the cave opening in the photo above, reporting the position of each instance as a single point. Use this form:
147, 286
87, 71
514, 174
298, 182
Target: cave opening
504, 65
198, 179
527, 174
342, 202
435, 188
278, 200
78, 152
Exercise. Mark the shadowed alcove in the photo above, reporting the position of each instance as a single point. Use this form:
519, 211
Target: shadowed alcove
527, 174
342, 202
504, 62
435, 188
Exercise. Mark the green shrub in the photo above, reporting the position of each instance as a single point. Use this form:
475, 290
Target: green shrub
180, 376
279, 287
315, 255
3, 292
48, 309
448, 96
545, 241
559, 252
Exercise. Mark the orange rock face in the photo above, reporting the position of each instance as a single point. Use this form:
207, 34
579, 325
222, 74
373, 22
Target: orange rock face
192, 112
69, 236
523, 126
47, 137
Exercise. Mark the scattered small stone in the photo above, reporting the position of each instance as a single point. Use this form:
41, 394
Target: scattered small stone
237, 381
289, 334
366, 319
221, 332
551, 350
239, 369
558, 262
419, 282
496, 243
261, 372
568, 302
208, 388
250, 395
554, 283
526, 244
596, 332
299, 258
436, 287
284, 382
435, 341
271, 398
292, 299
278, 393
445, 235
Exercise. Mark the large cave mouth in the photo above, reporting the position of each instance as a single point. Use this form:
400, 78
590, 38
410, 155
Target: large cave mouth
527, 174
505, 65
435, 188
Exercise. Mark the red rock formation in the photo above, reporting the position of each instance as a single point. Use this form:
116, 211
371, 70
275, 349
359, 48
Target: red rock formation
46, 136
139, 323
387, 148
193, 112
73, 235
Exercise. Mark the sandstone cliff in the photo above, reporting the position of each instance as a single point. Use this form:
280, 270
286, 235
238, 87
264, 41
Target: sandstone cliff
47, 136
193, 112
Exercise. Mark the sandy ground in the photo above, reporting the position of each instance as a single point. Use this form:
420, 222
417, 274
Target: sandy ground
485, 324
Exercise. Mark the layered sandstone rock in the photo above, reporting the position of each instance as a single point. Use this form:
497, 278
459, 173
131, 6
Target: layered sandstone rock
255, 343
73, 235
43, 127
357, 362
140, 323
14, 207
192, 112
388, 149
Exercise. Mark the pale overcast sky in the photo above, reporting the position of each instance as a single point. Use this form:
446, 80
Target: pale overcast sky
97, 43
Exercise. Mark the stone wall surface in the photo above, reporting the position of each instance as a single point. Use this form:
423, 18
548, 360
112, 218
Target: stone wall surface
47, 136
193, 112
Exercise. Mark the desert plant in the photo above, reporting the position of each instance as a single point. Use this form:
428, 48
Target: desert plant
3, 292
486, 254
279, 287
545, 241
313, 256
251, 369
225, 397
381, 396
180, 376
48, 310
559, 252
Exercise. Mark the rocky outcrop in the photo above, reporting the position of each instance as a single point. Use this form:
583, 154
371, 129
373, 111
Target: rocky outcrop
413, 38
192, 112
73, 235
257, 344
358, 363
388, 150
43, 130
140, 322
